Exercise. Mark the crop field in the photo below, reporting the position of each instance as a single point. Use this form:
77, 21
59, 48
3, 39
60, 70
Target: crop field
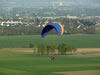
21, 61
79, 41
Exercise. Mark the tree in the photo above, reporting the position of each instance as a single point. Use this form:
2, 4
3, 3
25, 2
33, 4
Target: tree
31, 45
34, 49
51, 49
63, 48
48, 50
41, 49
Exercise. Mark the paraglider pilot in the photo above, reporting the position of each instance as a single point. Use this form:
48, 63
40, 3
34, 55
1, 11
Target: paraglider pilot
53, 58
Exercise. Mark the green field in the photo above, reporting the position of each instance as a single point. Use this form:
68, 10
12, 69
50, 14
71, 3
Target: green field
22, 63
17, 60
79, 41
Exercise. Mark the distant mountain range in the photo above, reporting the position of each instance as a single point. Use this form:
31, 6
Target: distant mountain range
46, 3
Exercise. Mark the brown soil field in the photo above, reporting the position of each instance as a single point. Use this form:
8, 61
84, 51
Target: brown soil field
85, 50
31, 50
89, 51
89, 72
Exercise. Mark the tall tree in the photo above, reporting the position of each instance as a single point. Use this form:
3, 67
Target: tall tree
64, 48
41, 49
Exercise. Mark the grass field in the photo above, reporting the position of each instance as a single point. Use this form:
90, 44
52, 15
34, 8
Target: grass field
17, 60
79, 41
20, 61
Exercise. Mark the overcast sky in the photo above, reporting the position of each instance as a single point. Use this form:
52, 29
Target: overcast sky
39, 3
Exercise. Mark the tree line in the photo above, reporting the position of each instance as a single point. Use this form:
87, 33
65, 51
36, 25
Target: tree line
62, 49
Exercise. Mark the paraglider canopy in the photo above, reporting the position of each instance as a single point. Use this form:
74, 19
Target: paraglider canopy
58, 27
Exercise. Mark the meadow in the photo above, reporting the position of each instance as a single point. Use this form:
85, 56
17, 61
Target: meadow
19, 62
17, 59
78, 40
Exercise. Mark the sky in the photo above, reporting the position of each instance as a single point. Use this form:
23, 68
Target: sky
45, 3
